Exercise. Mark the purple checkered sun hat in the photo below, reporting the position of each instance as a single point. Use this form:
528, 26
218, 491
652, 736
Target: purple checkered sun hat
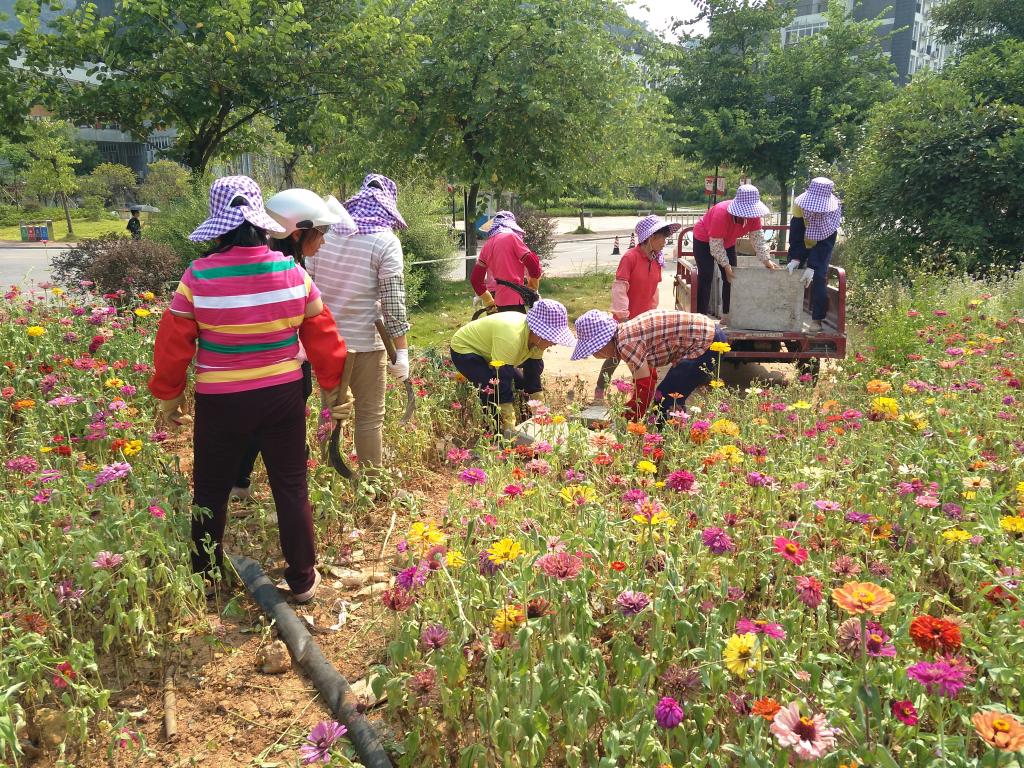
374, 208
504, 221
223, 217
648, 225
747, 203
819, 197
549, 320
594, 329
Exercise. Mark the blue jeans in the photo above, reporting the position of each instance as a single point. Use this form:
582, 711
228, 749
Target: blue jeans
510, 378
818, 259
686, 375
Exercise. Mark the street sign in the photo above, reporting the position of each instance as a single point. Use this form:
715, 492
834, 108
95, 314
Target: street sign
709, 185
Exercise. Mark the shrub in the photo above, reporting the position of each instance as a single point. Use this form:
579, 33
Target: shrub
176, 221
117, 263
540, 231
429, 238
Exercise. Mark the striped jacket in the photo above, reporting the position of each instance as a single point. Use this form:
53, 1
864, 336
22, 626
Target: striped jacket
248, 304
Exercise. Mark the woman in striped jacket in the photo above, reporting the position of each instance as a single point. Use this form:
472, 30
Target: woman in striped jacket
241, 312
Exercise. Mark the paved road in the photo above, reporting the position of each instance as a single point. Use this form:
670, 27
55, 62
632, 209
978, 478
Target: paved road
20, 266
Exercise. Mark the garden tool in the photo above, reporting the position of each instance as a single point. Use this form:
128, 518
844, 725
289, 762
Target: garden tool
410, 396
333, 448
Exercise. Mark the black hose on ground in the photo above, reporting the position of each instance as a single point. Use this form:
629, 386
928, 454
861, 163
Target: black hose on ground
307, 654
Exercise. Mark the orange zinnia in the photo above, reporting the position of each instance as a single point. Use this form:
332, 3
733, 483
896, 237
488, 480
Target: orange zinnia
766, 708
1000, 731
863, 597
932, 634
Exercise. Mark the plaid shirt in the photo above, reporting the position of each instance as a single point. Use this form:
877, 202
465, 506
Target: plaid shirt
663, 337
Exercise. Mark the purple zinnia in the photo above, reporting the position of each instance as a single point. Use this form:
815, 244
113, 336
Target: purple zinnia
755, 627
110, 473
668, 713
680, 480
107, 560
631, 603
938, 677
24, 465
473, 476
321, 739
433, 637
412, 577
67, 593
717, 541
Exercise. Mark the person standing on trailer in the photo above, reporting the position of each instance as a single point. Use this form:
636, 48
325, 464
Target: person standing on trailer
635, 289
714, 242
505, 256
812, 238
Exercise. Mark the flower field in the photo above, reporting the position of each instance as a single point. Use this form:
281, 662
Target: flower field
826, 572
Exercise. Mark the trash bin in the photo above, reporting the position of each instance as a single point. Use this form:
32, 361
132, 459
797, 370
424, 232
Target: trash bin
31, 233
43, 232
24, 232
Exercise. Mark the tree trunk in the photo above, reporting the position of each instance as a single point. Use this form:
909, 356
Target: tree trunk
289, 170
783, 213
67, 212
583, 224
470, 216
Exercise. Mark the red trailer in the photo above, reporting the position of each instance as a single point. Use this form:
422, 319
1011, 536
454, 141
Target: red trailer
803, 348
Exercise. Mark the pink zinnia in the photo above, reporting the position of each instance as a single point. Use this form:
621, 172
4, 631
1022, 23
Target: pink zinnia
473, 476
904, 711
107, 560
808, 591
790, 550
668, 713
938, 677
681, 481
810, 738
560, 565
758, 626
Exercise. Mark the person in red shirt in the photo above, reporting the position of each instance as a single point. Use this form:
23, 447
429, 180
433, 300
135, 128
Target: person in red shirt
714, 242
506, 257
635, 289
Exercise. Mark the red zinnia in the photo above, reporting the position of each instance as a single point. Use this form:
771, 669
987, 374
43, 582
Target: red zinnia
618, 565
790, 550
933, 634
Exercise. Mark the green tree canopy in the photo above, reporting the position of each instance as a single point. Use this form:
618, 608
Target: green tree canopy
518, 96
938, 177
747, 100
50, 169
208, 68
974, 24
110, 181
165, 182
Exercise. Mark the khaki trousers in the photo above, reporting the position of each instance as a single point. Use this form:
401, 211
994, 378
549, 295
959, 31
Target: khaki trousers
367, 385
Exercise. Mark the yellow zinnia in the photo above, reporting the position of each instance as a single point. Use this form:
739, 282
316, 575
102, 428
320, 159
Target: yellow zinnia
504, 551
1012, 523
577, 495
720, 347
455, 559
425, 535
647, 467
508, 618
800, 405
147, 295
716, 383
742, 654
142, 312
497, 363
956, 536
885, 407
35, 330
725, 427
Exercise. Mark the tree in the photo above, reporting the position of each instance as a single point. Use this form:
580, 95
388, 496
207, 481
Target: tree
515, 95
208, 68
974, 24
165, 182
51, 165
938, 177
110, 181
769, 108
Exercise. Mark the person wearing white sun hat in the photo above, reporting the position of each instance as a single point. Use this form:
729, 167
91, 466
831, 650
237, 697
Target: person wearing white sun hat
714, 241
813, 229
635, 289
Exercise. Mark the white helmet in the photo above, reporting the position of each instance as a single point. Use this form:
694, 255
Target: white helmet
298, 208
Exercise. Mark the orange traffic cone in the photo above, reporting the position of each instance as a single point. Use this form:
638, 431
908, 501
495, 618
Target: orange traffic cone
615, 246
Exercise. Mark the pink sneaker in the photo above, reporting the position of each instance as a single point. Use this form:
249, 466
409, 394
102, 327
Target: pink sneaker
309, 594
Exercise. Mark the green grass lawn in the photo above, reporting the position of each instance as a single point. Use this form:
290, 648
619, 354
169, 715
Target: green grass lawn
83, 229
437, 318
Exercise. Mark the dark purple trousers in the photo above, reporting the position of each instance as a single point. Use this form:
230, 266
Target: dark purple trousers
225, 425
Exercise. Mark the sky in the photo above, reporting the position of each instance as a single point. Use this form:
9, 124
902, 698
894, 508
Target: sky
658, 14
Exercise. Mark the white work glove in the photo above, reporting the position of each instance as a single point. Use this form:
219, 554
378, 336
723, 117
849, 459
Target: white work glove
400, 368
730, 274
793, 265
808, 276
331, 399
170, 411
